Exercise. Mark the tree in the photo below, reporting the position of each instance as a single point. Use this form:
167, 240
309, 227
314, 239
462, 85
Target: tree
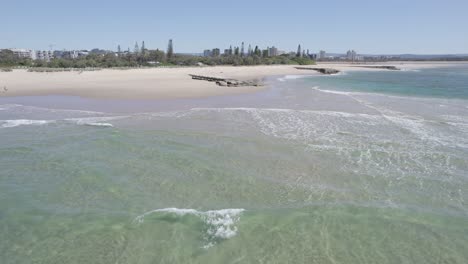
257, 51
156, 55
170, 49
7, 57
136, 50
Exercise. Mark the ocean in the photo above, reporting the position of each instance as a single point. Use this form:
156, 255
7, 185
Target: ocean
359, 167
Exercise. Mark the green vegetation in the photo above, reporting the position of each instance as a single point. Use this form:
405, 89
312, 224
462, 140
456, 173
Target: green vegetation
8, 59
149, 58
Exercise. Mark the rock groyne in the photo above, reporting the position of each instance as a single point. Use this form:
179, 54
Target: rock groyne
226, 82
321, 70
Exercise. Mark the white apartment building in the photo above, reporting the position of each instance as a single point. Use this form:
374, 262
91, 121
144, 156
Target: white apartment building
44, 55
24, 53
321, 55
273, 52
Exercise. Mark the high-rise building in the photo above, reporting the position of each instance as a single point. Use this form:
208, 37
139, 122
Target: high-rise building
170, 49
351, 55
321, 55
207, 53
299, 51
273, 51
215, 52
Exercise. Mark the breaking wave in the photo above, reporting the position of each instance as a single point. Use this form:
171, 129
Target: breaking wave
87, 121
220, 224
95, 121
23, 122
293, 77
388, 143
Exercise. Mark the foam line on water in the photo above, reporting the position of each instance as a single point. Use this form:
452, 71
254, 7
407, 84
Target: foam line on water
330, 91
87, 121
294, 124
284, 110
95, 121
7, 106
293, 77
100, 124
409, 70
24, 122
54, 110
220, 224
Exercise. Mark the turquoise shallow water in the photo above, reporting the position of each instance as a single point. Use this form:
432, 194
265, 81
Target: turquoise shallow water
449, 82
305, 172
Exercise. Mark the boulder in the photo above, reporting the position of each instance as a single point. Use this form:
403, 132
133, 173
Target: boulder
221, 83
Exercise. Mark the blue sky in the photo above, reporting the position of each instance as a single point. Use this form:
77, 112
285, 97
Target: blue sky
383, 27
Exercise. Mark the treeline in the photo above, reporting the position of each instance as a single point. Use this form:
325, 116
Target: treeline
8, 59
147, 58
246, 60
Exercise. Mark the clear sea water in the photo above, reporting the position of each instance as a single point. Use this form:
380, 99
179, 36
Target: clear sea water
362, 167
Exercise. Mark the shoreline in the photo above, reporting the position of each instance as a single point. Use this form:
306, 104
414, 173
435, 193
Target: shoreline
162, 83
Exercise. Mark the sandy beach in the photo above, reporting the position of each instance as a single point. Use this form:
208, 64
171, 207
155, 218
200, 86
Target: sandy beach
157, 83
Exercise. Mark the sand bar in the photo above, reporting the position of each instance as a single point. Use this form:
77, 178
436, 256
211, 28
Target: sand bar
156, 83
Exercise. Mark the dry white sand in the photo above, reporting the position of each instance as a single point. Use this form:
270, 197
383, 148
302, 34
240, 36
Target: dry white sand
153, 83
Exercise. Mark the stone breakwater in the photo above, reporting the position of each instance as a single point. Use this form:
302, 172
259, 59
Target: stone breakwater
391, 68
321, 70
227, 82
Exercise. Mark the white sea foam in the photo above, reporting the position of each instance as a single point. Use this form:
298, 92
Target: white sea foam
337, 74
220, 224
95, 121
87, 121
8, 106
409, 70
331, 91
286, 110
293, 77
99, 124
51, 110
390, 142
23, 122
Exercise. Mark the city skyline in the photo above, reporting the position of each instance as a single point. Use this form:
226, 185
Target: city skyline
419, 27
